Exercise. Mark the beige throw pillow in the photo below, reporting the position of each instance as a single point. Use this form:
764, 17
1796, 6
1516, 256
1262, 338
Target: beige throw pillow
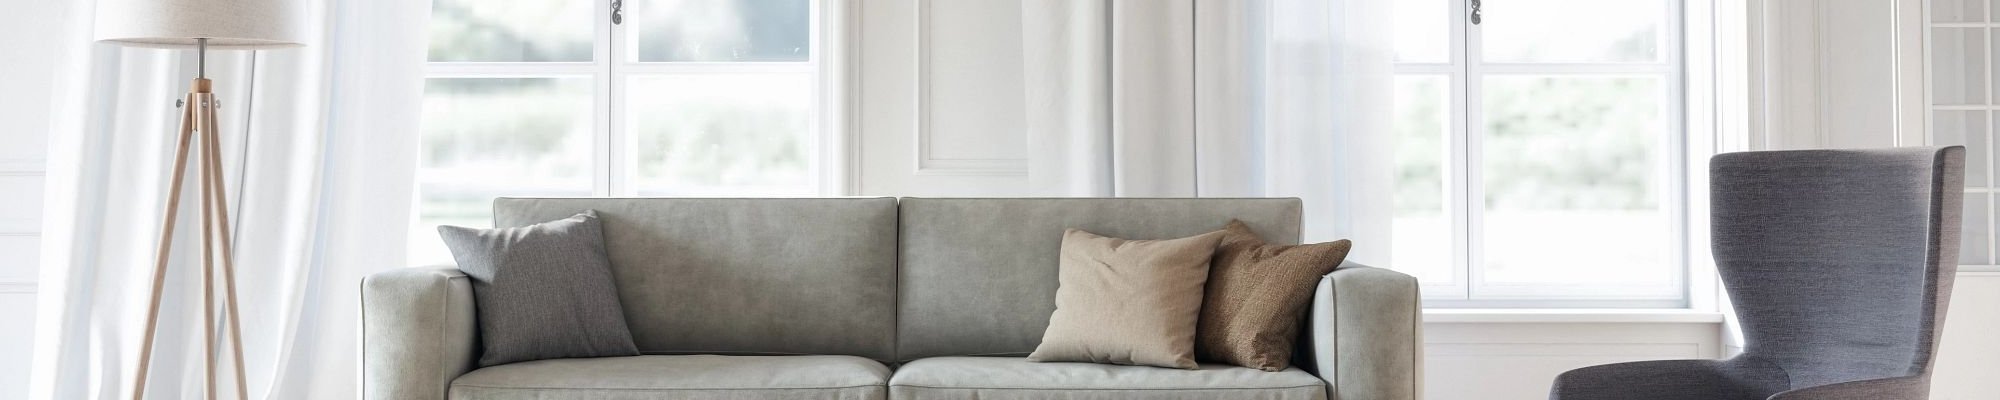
1257, 293
1130, 302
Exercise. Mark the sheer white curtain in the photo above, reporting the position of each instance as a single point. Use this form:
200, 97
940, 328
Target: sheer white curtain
319, 145
1216, 98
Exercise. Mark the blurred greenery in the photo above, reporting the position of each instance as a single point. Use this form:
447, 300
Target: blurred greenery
721, 30
522, 125
1585, 31
1551, 143
511, 30
1421, 130
488, 137
717, 134
474, 120
1573, 143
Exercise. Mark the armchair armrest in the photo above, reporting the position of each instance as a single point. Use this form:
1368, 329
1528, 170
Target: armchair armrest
1908, 387
1365, 333
1739, 378
418, 332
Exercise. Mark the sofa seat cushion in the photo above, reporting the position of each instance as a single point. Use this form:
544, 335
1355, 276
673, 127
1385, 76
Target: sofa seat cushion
679, 377
1001, 378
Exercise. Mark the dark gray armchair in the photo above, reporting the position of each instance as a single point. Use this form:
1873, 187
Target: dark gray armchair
1839, 264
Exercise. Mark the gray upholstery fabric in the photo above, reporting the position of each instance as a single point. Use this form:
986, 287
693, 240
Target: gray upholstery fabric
1004, 378
1738, 378
417, 332
1364, 333
979, 275
820, 276
1839, 264
746, 276
544, 290
706, 377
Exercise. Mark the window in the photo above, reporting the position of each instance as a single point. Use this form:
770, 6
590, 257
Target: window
676, 97
1964, 111
1540, 153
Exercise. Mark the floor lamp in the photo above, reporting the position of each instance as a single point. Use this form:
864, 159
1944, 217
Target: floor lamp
200, 25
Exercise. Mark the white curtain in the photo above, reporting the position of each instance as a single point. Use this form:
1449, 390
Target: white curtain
319, 148
1217, 98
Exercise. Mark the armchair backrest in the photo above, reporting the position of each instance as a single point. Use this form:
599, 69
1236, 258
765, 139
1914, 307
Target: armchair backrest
1839, 262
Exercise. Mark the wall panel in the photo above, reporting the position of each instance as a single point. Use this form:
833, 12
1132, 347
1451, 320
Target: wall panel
1521, 360
1968, 360
940, 106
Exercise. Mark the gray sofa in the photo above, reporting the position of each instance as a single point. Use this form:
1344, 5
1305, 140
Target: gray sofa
870, 298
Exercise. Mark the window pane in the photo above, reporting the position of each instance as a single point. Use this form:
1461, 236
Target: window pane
714, 134
491, 137
721, 30
1968, 128
1573, 30
1974, 244
1420, 232
511, 30
1958, 65
1958, 10
1573, 173
1423, 31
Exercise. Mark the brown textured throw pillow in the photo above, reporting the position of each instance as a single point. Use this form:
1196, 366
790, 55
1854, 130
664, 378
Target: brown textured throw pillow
1256, 296
1130, 302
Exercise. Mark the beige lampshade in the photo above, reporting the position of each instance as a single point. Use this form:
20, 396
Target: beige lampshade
227, 24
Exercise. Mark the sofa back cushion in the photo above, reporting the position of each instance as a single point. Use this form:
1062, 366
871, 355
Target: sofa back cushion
979, 276
745, 276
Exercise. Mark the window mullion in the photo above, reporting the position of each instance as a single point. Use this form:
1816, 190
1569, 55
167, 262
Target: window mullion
609, 160
1466, 211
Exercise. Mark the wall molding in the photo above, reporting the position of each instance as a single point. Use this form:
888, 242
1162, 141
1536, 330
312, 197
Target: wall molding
32, 168
1785, 74
17, 287
1836, 74
20, 227
1518, 360
23, 167
1656, 349
926, 162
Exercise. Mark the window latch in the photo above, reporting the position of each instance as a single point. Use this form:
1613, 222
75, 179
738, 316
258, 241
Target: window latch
618, 12
1474, 16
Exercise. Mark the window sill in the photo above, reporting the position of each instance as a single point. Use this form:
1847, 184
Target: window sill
1544, 315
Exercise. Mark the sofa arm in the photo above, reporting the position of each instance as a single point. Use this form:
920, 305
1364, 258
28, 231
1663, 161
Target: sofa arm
1365, 334
418, 332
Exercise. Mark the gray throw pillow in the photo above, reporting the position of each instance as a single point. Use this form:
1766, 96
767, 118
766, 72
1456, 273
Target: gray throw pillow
542, 291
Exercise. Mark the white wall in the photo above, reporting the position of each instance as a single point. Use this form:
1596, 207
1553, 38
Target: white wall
1517, 356
24, 78
941, 109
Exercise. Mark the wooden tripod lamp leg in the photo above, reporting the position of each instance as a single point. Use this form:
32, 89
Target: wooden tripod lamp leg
218, 189
198, 117
204, 128
166, 247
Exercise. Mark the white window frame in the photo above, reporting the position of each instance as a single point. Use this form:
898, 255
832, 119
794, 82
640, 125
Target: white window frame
1990, 110
613, 63
1692, 128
